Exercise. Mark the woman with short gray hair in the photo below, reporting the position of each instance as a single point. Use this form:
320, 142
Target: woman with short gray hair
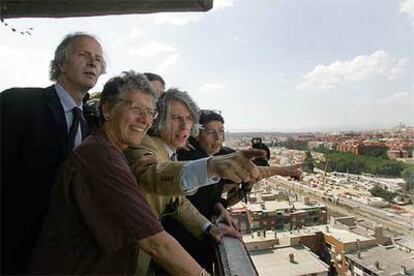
98, 219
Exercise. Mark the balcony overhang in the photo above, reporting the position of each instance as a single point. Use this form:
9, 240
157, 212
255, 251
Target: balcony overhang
76, 8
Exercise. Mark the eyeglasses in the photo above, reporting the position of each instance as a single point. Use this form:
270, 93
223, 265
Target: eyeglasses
141, 109
213, 132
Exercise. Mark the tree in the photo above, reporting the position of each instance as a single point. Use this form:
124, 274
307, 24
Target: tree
308, 163
376, 152
348, 162
408, 175
383, 193
294, 144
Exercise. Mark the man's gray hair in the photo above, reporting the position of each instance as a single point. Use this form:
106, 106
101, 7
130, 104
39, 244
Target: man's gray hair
163, 108
127, 81
61, 54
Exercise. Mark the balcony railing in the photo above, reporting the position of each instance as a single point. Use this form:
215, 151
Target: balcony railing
231, 258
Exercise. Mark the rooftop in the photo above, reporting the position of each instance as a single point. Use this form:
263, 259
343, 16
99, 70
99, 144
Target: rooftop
390, 260
406, 242
275, 205
254, 237
344, 236
277, 261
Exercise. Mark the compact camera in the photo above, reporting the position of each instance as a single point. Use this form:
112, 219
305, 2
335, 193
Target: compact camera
258, 144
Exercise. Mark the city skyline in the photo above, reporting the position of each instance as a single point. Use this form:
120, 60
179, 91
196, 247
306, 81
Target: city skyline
401, 125
269, 66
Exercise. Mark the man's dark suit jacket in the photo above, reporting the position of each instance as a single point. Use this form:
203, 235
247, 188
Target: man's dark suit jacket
33, 145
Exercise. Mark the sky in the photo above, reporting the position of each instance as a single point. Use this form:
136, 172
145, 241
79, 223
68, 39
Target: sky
268, 65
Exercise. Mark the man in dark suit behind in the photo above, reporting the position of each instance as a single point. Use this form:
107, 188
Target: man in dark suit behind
39, 128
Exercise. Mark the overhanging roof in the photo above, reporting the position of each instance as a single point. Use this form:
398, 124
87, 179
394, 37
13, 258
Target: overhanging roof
65, 8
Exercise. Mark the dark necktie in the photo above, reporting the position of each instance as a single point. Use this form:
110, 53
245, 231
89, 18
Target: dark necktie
173, 156
77, 117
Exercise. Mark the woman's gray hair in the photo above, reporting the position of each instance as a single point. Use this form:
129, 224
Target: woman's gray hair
61, 54
163, 108
127, 81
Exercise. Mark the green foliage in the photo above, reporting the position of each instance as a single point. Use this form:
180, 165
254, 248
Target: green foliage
385, 167
383, 193
323, 150
410, 151
308, 165
294, 144
344, 162
408, 175
376, 152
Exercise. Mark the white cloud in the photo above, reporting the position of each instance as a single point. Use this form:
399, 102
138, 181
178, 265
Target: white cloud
407, 7
213, 86
135, 33
360, 68
183, 19
391, 110
152, 49
239, 39
398, 70
207, 94
396, 99
12, 60
177, 19
168, 63
220, 4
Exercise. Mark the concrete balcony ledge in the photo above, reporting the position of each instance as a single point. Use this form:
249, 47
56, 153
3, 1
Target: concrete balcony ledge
233, 259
